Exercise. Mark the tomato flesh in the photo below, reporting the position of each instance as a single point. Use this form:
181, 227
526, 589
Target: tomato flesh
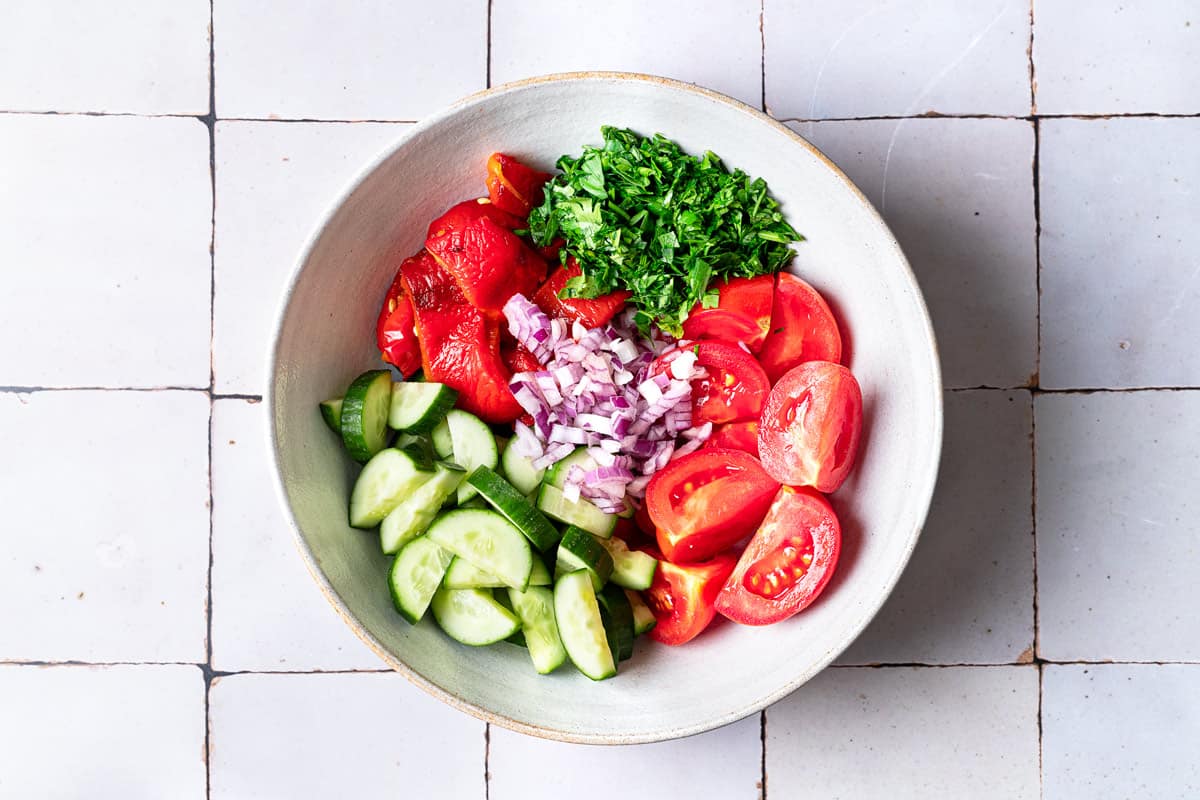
706, 501
735, 388
513, 186
742, 313
394, 331
803, 328
811, 426
589, 312
788, 562
737, 436
682, 598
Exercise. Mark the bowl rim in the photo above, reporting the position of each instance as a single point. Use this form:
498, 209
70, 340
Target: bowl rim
487, 715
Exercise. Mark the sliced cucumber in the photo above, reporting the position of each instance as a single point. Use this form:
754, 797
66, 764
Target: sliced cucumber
472, 616
556, 475
488, 541
535, 608
415, 576
440, 436
416, 511
580, 626
643, 617
465, 575
580, 513
632, 569
580, 550
618, 621
384, 482
504, 497
417, 407
519, 470
365, 413
331, 412
501, 597
471, 445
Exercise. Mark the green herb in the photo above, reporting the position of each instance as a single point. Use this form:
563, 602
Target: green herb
640, 214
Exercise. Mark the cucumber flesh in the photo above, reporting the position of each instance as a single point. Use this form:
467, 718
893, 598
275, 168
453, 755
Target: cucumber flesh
417, 511
580, 550
365, 413
643, 617
580, 626
472, 444
581, 513
465, 575
504, 497
617, 615
488, 541
440, 437
331, 412
519, 470
417, 407
415, 576
472, 616
632, 569
556, 475
384, 482
535, 608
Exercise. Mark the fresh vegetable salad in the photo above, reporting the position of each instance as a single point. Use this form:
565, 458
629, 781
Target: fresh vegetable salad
614, 415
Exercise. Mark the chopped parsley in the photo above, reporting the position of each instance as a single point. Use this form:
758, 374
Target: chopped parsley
640, 214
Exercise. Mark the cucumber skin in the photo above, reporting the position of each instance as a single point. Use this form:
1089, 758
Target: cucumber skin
444, 400
510, 503
355, 415
331, 412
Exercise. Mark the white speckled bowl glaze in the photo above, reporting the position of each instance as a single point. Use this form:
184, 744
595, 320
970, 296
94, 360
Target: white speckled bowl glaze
325, 337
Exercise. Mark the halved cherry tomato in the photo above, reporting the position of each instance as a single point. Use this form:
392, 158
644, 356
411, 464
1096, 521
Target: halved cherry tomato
460, 344
682, 597
742, 313
737, 436
811, 425
736, 386
489, 262
591, 313
788, 562
394, 330
705, 501
802, 328
513, 186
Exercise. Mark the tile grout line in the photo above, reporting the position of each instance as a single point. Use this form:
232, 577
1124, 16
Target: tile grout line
762, 42
762, 735
211, 122
488, 67
1033, 493
487, 757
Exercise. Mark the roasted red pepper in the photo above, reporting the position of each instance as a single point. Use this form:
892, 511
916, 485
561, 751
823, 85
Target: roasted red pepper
460, 344
513, 186
590, 313
394, 331
489, 262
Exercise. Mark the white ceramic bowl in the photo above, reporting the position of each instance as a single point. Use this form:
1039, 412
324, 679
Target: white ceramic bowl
325, 337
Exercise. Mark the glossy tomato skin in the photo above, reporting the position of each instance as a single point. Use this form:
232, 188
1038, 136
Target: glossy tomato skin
489, 262
460, 345
682, 597
803, 328
518, 359
394, 331
736, 436
788, 562
702, 503
736, 386
513, 186
742, 313
811, 426
591, 313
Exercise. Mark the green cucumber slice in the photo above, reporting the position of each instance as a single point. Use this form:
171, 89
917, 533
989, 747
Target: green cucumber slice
643, 617
465, 575
632, 569
579, 625
472, 616
488, 541
581, 513
519, 470
556, 475
580, 550
535, 608
504, 497
416, 511
617, 614
365, 412
417, 407
466, 440
331, 412
382, 485
440, 437
415, 576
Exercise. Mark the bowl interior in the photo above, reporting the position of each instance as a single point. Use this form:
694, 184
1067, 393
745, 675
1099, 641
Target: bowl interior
324, 340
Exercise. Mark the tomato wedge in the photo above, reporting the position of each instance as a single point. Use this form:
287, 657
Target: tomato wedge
737, 436
682, 597
742, 313
705, 501
788, 562
489, 262
394, 331
589, 312
802, 328
460, 345
513, 186
736, 386
811, 426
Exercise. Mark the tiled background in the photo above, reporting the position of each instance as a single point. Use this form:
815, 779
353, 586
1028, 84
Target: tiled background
160, 164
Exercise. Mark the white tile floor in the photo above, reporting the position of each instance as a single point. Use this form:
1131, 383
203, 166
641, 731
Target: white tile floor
1057, 253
